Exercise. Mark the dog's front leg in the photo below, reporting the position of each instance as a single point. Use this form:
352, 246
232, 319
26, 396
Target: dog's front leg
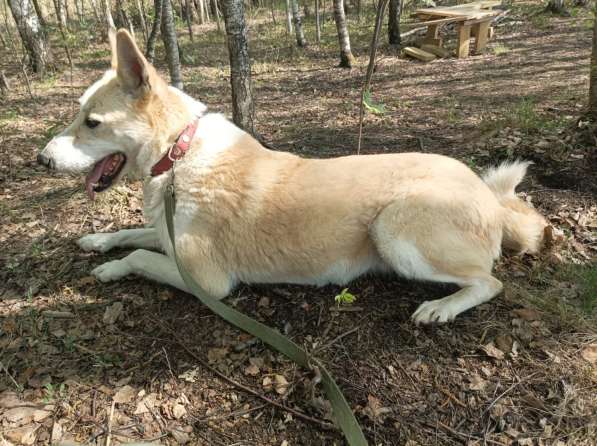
163, 269
149, 264
127, 238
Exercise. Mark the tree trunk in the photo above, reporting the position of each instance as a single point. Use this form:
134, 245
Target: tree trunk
346, 57
557, 7
155, 29
189, 16
108, 14
142, 19
593, 71
60, 8
218, 15
288, 17
243, 109
271, 4
40, 15
171, 44
394, 22
96, 12
78, 11
317, 24
32, 35
298, 25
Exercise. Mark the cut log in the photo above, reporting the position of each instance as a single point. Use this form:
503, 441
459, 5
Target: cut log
419, 54
438, 51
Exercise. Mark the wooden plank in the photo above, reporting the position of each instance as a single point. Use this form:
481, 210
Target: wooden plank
432, 37
464, 37
438, 21
482, 34
437, 50
419, 54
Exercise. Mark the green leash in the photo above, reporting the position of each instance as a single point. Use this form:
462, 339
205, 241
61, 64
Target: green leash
342, 411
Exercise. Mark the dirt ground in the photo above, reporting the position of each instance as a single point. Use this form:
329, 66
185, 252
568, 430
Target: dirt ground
132, 360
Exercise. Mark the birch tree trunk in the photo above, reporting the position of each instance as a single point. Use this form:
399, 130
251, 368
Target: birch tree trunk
346, 57
317, 24
155, 29
243, 109
394, 22
60, 8
142, 19
298, 25
32, 35
171, 44
96, 13
108, 14
288, 17
40, 15
593, 71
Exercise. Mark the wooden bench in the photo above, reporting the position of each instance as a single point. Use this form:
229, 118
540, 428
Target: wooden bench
472, 19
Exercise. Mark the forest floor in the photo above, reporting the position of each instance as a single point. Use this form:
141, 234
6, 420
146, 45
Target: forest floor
521, 369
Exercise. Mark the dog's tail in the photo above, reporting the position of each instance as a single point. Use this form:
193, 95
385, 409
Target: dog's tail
523, 227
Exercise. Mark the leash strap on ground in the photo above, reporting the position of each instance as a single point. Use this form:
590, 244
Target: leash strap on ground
342, 411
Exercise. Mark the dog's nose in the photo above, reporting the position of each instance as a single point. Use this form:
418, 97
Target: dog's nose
45, 161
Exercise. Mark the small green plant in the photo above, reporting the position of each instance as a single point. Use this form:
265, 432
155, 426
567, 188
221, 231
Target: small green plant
52, 392
500, 50
376, 109
345, 298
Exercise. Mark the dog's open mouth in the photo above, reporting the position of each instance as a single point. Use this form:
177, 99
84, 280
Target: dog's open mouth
103, 173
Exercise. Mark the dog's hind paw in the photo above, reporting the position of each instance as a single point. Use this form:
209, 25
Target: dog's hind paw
114, 270
101, 242
434, 311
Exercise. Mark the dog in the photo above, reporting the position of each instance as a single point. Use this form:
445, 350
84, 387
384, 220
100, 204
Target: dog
248, 214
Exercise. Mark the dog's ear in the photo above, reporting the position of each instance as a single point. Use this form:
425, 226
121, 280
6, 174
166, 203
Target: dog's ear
131, 66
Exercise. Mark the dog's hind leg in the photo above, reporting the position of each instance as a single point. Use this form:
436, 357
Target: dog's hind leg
424, 243
127, 238
162, 269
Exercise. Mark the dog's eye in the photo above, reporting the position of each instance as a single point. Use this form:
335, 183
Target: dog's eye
91, 123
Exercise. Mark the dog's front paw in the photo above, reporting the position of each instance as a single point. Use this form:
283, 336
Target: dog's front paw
96, 242
434, 311
114, 270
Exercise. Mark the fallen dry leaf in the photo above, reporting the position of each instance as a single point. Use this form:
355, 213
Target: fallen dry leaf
280, 384
216, 354
493, 352
125, 395
179, 411
477, 383
589, 353
112, 313
252, 370
375, 409
528, 314
267, 383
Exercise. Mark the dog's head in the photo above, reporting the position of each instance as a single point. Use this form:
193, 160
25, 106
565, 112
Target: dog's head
126, 119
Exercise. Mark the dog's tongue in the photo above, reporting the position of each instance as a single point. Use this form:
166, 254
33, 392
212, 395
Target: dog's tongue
95, 174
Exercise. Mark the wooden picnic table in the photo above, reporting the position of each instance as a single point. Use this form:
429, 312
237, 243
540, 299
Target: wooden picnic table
473, 19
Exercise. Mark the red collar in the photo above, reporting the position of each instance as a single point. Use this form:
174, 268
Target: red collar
176, 150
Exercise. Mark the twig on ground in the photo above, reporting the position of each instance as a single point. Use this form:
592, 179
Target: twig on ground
508, 390
109, 429
336, 339
231, 381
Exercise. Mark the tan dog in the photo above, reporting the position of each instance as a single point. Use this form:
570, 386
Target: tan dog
248, 214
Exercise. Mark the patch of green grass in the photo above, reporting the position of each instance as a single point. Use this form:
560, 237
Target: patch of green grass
523, 116
500, 49
585, 278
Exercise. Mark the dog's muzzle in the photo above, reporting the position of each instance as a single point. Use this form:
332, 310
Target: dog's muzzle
45, 161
